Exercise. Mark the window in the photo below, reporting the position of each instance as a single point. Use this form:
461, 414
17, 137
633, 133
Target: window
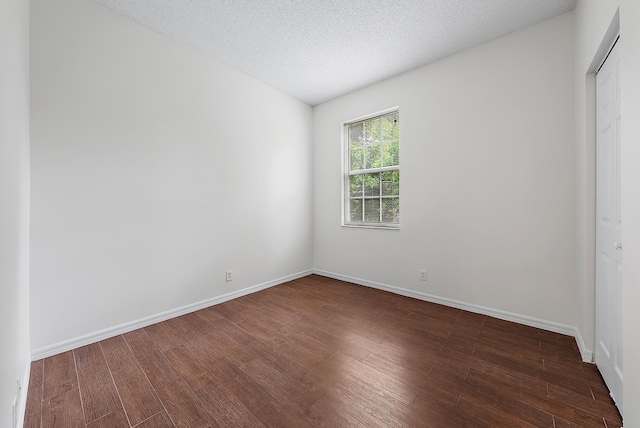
372, 171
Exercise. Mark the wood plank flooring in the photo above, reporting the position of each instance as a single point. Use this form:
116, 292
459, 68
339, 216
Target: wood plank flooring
321, 352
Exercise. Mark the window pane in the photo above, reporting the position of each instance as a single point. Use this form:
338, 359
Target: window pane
371, 184
390, 188
391, 176
390, 154
390, 183
372, 210
356, 210
357, 159
355, 133
372, 157
391, 210
355, 185
372, 131
390, 127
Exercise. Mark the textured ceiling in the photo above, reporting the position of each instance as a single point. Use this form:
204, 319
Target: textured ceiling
316, 50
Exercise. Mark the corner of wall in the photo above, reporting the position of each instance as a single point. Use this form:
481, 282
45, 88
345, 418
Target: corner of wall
22, 399
587, 355
597, 26
14, 215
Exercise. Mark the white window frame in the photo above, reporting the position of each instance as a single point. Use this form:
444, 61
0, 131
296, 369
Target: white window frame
346, 173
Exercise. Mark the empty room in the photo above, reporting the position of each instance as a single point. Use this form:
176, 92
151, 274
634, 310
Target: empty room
318, 213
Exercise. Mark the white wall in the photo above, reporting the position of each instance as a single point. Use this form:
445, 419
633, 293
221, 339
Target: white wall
487, 187
154, 170
14, 201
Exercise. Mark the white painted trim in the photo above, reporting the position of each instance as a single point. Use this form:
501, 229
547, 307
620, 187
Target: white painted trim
610, 38
24, 389
496, 313
97, 336
371, 115
587, 355
346, 173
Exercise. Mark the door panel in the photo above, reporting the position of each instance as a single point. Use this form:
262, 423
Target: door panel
609, 227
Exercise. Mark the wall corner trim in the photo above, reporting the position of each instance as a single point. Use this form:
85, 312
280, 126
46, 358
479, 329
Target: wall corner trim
496, 313
587, 355
24, 390
97, 336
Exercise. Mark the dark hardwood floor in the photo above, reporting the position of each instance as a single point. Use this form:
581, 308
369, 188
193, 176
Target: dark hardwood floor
321, 352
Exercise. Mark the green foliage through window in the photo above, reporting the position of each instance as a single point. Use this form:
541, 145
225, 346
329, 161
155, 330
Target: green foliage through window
373, 179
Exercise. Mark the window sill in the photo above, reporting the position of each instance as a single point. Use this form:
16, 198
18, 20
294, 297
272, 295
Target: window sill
372, 226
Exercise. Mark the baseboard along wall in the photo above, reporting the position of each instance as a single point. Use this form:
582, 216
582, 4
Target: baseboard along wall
87, 339
587, 355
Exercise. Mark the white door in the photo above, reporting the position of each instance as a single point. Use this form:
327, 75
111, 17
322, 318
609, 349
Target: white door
609, 227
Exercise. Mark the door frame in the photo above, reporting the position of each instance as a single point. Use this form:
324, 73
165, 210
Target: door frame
587, 349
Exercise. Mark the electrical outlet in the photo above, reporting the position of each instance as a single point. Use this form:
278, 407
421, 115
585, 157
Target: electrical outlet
423, 275
229, 276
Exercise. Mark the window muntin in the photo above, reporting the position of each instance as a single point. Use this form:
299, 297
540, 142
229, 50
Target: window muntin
372, 179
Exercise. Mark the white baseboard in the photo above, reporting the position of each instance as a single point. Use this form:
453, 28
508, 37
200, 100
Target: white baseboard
587, 355
24, 388
97, 336
107, 333
496, 313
